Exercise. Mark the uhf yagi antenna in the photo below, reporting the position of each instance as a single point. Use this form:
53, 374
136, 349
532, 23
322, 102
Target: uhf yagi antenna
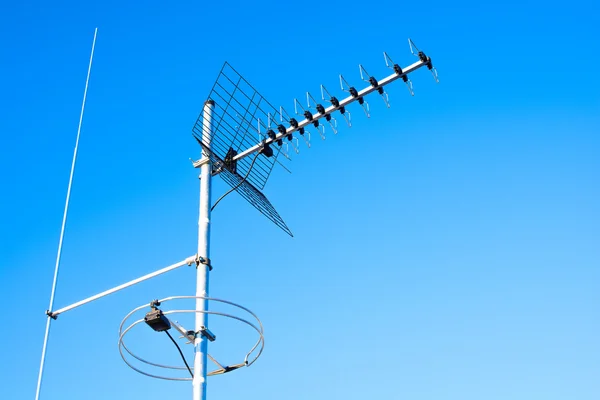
237, 108
241, 135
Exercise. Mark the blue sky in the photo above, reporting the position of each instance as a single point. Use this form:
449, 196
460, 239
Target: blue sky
446, 248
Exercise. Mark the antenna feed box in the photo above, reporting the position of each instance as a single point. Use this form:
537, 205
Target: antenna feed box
157, 321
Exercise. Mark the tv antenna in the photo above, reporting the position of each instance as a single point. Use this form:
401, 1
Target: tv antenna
241, 137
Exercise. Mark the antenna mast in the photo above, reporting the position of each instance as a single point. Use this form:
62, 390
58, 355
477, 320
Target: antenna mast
235, 123
202, 269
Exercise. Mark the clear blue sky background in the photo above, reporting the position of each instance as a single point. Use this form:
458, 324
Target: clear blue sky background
446, 248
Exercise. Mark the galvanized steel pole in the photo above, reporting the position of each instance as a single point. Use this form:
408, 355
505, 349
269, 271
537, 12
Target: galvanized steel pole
201, 342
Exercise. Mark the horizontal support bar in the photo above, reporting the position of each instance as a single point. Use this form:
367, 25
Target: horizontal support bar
188, 261
348, 100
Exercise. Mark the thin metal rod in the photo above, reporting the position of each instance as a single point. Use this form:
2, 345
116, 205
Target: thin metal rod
64, 221
202, 273
187, 261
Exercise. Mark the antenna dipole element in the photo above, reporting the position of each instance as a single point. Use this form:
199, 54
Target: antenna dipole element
201, 342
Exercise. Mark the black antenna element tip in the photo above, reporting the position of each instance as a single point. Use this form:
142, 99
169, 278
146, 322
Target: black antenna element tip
209, 101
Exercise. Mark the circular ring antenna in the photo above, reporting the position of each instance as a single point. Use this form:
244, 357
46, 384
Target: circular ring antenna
154, 370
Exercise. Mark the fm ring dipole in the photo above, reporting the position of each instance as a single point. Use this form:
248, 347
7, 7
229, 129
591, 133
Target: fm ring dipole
248, 359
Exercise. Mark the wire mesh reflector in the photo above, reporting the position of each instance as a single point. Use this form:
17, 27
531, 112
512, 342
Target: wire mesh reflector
254, 197
246, 190
235, 120
238, 108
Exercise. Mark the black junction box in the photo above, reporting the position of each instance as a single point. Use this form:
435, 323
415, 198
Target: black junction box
157, 321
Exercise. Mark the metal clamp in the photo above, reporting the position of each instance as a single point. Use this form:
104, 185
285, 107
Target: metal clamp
154, 304
205, 332
205, 261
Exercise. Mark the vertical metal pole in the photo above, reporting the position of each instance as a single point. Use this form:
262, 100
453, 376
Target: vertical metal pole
201, 343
